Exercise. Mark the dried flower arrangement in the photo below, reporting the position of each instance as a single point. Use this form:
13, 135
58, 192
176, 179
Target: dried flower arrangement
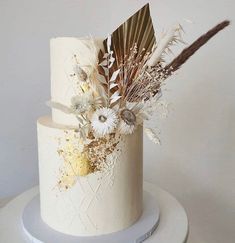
122, 91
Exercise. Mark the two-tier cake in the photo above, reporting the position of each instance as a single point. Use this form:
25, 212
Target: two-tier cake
91, 148
79, 195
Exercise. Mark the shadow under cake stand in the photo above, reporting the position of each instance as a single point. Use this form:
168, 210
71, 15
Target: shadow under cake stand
164, 220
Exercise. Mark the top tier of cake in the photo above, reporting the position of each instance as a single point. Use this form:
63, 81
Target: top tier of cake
66, 54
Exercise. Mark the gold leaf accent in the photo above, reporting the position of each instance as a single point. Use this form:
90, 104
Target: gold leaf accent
75, 163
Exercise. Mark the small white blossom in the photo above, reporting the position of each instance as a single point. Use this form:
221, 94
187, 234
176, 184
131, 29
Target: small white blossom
84, 103
104, 121
79, 104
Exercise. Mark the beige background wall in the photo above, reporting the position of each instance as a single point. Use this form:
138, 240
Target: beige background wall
196, 159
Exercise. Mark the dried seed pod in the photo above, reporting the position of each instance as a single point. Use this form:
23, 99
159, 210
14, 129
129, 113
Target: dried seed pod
81, 74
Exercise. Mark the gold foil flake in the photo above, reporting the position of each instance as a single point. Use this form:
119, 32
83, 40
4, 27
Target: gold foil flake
85, 87
75, 164
82, 159
66, 181
75, 161
98, 150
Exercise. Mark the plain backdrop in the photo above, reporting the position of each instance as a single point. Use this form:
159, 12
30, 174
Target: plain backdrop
195, 161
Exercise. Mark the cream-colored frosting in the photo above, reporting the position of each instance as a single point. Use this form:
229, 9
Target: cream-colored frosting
99, 203
63, 86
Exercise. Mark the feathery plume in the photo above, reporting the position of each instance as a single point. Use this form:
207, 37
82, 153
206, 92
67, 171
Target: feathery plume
189, 51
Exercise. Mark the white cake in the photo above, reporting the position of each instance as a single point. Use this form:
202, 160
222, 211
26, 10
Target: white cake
90, 150
87, 204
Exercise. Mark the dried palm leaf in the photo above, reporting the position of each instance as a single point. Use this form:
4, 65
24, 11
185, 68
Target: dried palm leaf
137, 30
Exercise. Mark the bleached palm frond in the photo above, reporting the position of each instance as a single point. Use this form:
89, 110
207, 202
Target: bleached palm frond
109, 79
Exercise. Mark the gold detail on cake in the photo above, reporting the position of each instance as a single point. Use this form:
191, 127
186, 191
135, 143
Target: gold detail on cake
99, 149
82, 159
75, 161
75, 164
85, 87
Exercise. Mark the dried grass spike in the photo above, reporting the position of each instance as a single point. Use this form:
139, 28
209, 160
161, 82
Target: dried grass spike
189, 51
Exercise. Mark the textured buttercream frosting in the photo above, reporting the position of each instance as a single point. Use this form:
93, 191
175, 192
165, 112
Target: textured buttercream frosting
78, 197
99, 203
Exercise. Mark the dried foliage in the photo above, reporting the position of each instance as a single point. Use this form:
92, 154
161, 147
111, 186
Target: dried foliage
189, 51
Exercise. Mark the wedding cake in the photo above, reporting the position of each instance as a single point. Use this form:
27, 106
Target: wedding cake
91, 148
74, 200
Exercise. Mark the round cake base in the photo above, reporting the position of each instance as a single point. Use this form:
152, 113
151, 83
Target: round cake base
39, 232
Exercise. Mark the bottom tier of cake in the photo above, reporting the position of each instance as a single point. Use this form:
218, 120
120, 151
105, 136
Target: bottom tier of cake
78, 202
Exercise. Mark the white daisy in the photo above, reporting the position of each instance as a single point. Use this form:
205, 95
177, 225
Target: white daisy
104, 121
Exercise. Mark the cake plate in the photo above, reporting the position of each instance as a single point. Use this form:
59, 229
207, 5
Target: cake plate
40, 232
172, 227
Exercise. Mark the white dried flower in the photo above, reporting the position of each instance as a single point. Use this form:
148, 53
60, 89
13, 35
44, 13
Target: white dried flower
128, 116
84, 102
138, 109
124, 128
127, 121
104, 121
131, 116
79, 104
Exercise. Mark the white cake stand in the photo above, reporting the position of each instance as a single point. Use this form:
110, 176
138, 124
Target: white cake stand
173, 225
